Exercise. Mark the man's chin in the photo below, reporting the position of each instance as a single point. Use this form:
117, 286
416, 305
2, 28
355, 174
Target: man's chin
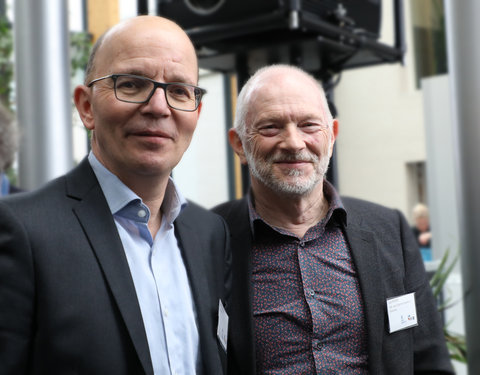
292, 187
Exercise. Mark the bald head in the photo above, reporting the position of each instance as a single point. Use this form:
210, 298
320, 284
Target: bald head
269, 78
127, 33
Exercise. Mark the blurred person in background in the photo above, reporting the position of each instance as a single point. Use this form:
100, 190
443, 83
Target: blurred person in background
8, 148
421, 227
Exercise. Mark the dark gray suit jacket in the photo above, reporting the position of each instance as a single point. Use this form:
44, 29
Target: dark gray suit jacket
67, 300
388, 264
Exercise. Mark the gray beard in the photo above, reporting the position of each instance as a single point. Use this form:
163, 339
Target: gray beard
262, 171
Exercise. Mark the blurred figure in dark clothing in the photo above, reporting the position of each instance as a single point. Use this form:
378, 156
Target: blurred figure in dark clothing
8, 147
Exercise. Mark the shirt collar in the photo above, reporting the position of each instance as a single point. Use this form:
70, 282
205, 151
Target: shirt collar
336, 213
119, 195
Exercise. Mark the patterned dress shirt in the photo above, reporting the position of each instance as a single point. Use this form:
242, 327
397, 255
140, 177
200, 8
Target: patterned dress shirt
307, 305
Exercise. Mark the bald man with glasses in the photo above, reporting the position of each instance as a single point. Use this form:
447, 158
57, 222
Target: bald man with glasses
108, 269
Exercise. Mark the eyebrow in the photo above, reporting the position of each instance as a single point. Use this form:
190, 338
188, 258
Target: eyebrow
281, 119
134, 72
142, 74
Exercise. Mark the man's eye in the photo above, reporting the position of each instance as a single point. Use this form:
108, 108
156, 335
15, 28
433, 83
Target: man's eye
131, 84
311, 126
179, 91
268, 130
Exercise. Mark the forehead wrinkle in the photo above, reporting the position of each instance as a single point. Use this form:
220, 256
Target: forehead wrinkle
267, 89
288, 110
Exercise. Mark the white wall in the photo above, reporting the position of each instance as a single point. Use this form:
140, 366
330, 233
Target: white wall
202, 173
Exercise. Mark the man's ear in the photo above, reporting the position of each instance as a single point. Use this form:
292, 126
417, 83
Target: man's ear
335, 128
333, 136
82, 99
237, 145
199, 109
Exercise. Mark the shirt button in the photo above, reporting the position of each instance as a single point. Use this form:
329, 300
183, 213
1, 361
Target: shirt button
311, 292
142, 213
165, 313
317, 345
302, 244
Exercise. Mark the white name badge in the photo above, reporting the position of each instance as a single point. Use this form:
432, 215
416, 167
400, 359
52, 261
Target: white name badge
222, 329
402, 312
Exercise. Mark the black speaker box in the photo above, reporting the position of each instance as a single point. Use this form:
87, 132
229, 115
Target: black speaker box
337, 32
361, 15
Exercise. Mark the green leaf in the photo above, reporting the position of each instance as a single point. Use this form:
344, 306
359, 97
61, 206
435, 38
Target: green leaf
456, 343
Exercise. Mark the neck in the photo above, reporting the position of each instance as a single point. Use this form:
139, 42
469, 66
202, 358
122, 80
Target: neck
149, 187
296, 213
152, 191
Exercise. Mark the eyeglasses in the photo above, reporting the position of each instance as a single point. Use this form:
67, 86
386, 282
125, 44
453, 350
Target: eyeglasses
137, 89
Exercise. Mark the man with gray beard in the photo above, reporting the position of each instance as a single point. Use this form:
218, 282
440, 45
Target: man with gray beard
321, 284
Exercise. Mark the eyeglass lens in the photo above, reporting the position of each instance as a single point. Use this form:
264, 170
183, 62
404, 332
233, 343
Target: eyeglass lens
136, 89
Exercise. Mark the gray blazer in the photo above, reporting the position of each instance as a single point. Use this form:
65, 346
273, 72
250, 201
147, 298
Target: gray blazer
388, 263
67, 299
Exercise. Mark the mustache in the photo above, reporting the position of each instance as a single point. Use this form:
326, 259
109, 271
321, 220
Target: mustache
302, 156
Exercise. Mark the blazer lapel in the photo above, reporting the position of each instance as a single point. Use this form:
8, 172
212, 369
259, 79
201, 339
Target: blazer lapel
196, 270
94, 215
242, 335
365, 257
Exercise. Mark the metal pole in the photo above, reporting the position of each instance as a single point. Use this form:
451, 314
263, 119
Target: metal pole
241, 64
142, 6
44, 106
3, 8
399, 28
463, 33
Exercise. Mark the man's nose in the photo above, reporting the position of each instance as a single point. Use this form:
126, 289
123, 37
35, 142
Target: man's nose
158, 103
293, 138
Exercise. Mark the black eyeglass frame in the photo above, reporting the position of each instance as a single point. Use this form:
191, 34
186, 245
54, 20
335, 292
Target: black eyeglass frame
198, 91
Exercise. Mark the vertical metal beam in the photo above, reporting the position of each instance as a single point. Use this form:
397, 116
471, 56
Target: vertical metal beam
84, 15
152, 7
233, 165
463, 33
243, 74
399, 22
3, 8
142, 7
43, 97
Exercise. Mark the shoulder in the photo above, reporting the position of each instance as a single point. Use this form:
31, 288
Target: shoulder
32, 214
351, 203
38, 198
373, 216
73, 184
359, 207
193, 208
233, 207
14, 189
53, 202
199, 216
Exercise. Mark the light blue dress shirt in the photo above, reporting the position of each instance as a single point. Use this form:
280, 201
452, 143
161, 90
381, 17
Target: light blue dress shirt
158, 272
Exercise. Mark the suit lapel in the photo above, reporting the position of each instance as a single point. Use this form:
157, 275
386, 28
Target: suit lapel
365, 257
241, 311
94, 215
194, 261
193, 257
